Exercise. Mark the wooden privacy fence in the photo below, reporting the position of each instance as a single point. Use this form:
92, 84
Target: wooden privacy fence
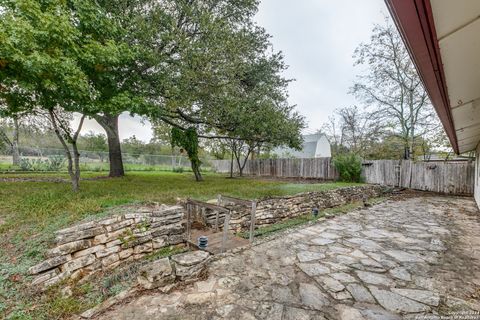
444, 177
317, 168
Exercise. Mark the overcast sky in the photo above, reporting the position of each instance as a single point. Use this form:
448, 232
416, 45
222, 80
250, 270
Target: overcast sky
317, 38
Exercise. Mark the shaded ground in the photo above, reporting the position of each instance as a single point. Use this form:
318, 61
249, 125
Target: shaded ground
398, 259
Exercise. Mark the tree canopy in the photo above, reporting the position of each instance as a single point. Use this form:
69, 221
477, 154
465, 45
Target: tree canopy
195, 65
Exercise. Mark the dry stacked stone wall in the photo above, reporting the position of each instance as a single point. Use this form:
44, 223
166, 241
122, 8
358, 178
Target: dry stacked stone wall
103, 244
83, 249
276, 209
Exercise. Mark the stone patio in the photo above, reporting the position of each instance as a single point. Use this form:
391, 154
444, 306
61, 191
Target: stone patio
399, 259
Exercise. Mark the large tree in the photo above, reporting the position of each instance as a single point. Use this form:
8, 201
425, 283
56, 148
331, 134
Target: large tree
227, 82
47, 56
179, 48
392, 87
179, 61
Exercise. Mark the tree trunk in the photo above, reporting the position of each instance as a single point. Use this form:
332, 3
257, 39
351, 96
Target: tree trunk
196, 171
240, 169
110, 124
76, 163
238, 154
73, 163
73, 179
412, 146
231, 164
15, 151
407, 152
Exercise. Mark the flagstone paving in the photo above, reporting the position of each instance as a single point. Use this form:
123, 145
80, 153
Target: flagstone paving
395, 260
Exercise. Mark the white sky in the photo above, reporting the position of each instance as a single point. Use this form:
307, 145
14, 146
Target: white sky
317, 38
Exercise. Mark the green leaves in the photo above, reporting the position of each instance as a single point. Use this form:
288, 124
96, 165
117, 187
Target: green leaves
349, 167
188, 140
52, 50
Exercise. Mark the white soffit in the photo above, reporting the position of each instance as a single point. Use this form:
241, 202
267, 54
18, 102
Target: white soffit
457, 24
450, 15
467, 115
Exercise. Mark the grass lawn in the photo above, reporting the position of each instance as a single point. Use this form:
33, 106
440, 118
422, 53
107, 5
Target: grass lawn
32, 206
30, 212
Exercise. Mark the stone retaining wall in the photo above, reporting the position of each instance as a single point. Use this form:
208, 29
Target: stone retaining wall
164, 274
167, 273
85, 248
103, 244
276, 209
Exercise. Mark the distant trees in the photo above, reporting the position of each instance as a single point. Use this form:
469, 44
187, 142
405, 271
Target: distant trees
96, 142
11, 142
352, 129
392, 88
398, 121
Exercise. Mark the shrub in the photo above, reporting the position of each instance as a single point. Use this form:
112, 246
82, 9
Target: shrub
25, 164
349, 167
32, 164
54, 163
178, 169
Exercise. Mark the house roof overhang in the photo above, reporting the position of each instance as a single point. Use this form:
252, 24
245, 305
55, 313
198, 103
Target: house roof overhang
442, 39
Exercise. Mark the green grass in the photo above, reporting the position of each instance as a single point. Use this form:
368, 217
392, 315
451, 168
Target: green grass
293, 188
38, 205
30, 212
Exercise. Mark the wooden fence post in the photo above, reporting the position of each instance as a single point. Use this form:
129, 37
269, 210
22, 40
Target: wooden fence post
204, 216
225, 230
189, 206
219, 203
216, 220
252, 220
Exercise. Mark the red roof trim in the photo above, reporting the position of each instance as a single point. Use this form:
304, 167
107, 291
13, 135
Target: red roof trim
414, 20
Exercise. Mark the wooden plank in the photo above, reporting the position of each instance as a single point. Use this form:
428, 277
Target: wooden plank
252, 220
207, 205
236, 200
225, 231
216, 220
189, 209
